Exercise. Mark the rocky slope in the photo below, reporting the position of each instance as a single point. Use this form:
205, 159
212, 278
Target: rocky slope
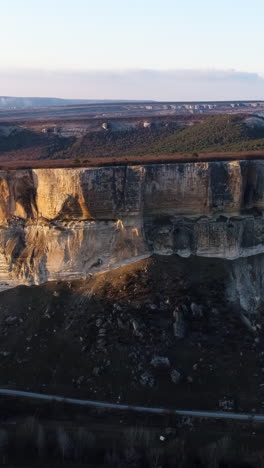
66, 223
158, 332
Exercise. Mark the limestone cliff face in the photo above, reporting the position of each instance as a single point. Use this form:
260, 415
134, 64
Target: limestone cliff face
58, 223
191, 189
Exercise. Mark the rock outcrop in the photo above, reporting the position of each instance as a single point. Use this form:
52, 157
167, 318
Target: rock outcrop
64, 223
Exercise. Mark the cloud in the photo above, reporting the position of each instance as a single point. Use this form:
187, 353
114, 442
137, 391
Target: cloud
134, 84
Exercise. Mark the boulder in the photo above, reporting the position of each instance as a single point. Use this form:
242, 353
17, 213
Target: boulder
160, 362
175, 376
147, 380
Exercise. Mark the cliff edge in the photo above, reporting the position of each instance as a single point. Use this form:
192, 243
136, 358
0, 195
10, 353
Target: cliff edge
67, 223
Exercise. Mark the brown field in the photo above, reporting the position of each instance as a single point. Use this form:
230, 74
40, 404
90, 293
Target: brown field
131, 160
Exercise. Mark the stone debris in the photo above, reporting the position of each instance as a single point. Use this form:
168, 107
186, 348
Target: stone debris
160, 362
175, 376
5, 353
120, 323
101, 343
129, 341
96, 371
10, 319
147, 380
79, 381
179, 326
98, 322
226, 404
137, 331
197, 310
247, 322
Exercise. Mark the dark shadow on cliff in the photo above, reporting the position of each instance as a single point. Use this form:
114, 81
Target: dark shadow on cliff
71, 209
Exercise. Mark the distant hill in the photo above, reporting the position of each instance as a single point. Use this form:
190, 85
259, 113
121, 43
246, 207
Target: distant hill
8, 102
214, 133
218, 133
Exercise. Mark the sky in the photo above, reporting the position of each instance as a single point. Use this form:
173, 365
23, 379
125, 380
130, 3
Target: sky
139, 49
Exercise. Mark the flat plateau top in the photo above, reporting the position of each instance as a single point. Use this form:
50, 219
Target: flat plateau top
131, 160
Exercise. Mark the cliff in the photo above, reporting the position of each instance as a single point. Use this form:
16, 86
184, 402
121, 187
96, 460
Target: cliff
191, 189
65, 223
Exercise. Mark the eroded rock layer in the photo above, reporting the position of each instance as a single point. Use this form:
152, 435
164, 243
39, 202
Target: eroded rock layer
58, 223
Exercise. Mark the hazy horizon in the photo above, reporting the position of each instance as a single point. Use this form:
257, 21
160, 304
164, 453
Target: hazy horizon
171, 85
149, 50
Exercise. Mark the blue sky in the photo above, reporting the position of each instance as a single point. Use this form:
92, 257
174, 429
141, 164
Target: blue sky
73, 38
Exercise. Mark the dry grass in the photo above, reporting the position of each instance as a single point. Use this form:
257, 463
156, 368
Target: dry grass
6, 162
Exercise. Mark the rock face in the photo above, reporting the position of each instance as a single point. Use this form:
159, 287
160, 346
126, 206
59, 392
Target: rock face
58, 223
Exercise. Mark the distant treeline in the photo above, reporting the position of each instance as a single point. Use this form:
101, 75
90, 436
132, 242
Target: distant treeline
212, 134
216, 133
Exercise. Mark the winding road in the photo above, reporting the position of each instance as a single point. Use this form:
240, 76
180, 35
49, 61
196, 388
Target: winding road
138, 409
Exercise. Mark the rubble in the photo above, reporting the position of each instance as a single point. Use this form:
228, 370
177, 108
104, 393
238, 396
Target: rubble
147, 380
179, 327
197, 310
160, 362
226, 404
175, 376
10, 319
120, 341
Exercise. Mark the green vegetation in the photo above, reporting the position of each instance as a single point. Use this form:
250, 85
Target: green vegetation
20, 139
246, 145
216, 133
34, 143
117, 143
